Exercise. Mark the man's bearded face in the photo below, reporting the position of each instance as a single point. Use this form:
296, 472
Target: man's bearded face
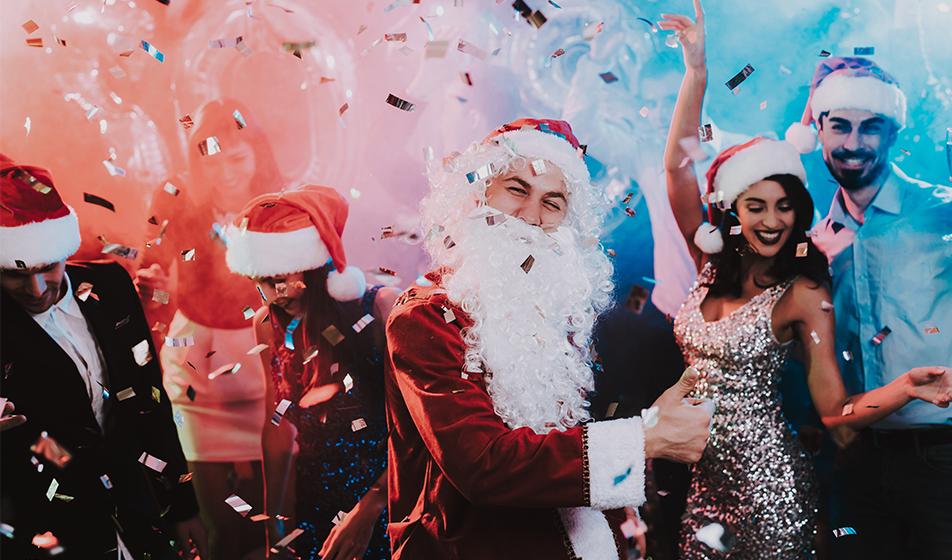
536, 194
856, 146
531, 295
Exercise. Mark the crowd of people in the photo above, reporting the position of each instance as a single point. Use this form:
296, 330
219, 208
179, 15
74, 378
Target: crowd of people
264, 400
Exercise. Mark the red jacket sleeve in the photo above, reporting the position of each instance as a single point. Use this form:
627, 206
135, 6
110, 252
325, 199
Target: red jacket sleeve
488, 462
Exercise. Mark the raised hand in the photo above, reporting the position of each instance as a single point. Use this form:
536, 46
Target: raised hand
931, 384
690, 34
148, 280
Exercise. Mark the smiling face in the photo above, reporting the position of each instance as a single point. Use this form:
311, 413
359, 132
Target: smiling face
766, 217
284, 291
230, 172
35, 289
540, 200
856, 146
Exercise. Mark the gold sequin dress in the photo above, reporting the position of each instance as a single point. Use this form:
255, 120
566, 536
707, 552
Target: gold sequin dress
754, 479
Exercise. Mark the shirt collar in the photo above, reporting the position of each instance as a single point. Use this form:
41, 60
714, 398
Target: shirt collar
67, 304
888, 199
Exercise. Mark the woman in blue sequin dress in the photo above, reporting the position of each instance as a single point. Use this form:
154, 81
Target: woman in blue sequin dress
325, 354
762, 285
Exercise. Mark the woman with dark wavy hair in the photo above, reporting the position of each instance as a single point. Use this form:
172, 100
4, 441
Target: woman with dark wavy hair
324, 346
762, 285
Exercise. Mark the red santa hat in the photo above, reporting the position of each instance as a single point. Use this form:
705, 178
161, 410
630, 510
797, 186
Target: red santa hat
547, 139
848, 82
733, 171
36, 226
294, 231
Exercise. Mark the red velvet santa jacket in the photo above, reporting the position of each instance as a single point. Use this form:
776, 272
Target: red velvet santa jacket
463, 485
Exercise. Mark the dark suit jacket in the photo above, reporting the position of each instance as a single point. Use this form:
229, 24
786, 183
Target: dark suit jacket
44, 384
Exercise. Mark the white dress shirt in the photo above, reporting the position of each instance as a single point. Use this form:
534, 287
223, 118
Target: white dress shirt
66, 324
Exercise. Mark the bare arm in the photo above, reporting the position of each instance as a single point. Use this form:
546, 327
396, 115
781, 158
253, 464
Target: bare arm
815, 328
681, 180
277, 442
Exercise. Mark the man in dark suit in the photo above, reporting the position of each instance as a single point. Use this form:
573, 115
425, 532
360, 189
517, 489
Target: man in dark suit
95, 467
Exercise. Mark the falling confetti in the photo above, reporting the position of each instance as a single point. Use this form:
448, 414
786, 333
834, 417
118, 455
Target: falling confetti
279, 411
226, 369
526, 265
113, 169
154, 463
739, 77
332, 335
401, 104
289, 333
802, 249
239, 505
209, 146
29, 26
153, 52
880, 336
608, 77
843, 531
142, 353
864, 51
180, 342
363, 322
705, 133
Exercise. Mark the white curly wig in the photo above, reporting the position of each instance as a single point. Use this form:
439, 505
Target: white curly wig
540, 365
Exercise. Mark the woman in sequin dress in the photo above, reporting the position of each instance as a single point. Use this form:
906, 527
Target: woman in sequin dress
762, 285
324, 345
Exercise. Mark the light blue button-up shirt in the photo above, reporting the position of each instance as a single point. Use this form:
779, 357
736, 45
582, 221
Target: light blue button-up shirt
893, 271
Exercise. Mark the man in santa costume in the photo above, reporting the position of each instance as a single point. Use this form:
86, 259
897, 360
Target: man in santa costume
492, 452
95, 468
892, 294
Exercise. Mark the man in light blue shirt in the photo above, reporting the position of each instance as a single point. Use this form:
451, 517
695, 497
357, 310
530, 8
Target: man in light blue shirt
887, 238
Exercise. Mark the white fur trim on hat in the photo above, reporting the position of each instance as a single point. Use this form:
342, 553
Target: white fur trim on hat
839, 91
348, 285
257, 254
755, 163
589, 533
40, 243
616, 459
802, 137
708, 239
533, 144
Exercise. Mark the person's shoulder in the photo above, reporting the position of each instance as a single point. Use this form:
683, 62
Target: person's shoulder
417, 296
808, 296
104, 270
920, 195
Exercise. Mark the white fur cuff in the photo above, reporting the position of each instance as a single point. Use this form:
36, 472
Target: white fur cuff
616, 458
589, 533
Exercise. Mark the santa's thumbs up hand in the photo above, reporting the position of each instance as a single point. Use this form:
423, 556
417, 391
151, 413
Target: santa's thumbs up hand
678, 428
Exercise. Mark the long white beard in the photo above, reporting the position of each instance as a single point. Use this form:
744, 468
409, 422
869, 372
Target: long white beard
532, 323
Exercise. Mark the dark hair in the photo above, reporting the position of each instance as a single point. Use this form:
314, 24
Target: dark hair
728, 272
320, 312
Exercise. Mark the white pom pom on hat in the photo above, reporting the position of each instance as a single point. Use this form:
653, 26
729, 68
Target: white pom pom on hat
802, 137
708, 239
347, 285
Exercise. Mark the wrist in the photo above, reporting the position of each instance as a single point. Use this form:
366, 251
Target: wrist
698, 73
907, 386
373, 502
